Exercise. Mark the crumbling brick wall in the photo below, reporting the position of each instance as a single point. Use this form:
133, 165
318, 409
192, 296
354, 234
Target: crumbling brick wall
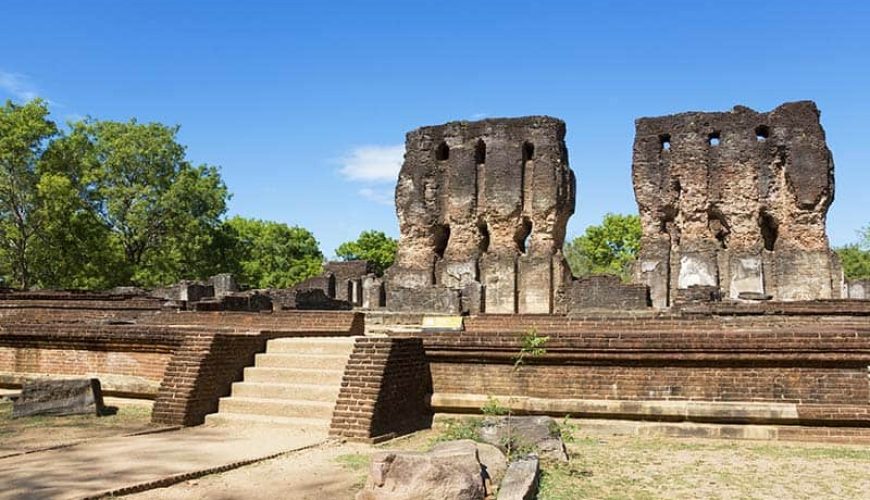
129, 360
616, 367
384, 391
202, 371
482, 210
735, 200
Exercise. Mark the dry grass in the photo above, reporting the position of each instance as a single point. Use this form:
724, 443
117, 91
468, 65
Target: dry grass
646, 468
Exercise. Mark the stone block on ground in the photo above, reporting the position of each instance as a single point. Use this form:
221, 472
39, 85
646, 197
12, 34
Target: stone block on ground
521, 480
538, 434
60, 397
492, 459
451, 471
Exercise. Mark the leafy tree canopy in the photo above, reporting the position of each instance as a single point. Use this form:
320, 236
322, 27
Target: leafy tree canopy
610, 247
856, 257
373, 246
273, 254
24, 133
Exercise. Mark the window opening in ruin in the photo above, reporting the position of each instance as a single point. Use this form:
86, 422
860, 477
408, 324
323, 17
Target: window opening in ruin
480, 152
718, 226
483, 228
713, 139
665, 142
769, 230
762, 133
442, 152
523, 234
440, 238
528, 151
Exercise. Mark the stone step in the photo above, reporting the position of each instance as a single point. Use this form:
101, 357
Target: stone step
277, 407
297, 360
307, 392
318, 425
293, 376
312, 345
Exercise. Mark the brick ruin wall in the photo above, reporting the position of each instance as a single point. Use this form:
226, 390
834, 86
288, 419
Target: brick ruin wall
384, 392
789, 369
482, 209
735, 201
184, 360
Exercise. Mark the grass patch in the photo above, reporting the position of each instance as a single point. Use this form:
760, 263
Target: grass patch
356, 463
454, 429
353, 461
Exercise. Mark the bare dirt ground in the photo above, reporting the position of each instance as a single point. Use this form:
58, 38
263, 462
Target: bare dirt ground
17, 435
613, 467
333, 471
602, 467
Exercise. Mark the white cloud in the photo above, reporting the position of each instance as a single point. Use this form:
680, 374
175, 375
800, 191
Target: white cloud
17, 86
379, 196
373, 163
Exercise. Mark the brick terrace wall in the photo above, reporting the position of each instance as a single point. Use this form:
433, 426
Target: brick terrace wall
818, 362
202, 371
130, 360
45, 310
187, 360
384, 391
310, 322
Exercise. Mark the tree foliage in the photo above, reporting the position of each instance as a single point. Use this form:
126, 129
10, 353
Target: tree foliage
273, 254
24, 132
856, 257
608, 248
373, 246
107, 203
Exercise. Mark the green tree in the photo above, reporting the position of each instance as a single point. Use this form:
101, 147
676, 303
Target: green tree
73, 248
162, 212
25, 130
856, 257
373, 246
610, 247
273, 254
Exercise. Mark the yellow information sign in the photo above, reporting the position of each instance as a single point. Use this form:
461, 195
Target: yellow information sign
442, 323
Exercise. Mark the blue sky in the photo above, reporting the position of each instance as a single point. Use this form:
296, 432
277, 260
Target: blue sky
304, 105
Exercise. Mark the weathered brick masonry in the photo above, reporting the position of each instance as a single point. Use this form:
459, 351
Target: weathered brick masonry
129, 360
185, 360
202, 371
816, 364
385, 390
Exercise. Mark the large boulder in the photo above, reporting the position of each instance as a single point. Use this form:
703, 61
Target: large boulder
452, 470
521, 480
538, 434
493, 461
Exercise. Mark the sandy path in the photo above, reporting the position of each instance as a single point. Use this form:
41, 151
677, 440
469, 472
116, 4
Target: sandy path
110, 463
312, 474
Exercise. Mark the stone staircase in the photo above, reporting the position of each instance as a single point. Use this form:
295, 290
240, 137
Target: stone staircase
294, 383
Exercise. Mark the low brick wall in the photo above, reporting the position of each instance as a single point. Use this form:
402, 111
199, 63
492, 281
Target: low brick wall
311, 322
384, 392
202, 371
129, 361
800, 370
186, 361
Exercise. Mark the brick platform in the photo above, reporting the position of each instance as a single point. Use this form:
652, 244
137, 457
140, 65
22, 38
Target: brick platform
384, 391
186, 361
795, 369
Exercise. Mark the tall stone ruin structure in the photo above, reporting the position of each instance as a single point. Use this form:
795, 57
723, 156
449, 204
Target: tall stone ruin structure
482, 210
735, 203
